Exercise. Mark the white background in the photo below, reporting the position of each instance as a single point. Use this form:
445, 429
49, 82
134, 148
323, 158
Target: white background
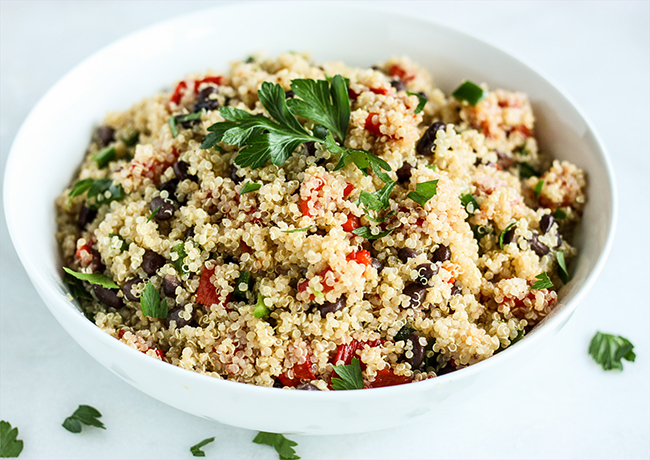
562, 405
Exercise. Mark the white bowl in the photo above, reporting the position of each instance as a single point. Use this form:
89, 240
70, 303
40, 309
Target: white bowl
51, 143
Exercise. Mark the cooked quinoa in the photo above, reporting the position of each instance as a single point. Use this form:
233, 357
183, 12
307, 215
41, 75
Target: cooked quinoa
272, 287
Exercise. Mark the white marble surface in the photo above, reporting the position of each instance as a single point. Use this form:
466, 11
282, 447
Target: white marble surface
560, 406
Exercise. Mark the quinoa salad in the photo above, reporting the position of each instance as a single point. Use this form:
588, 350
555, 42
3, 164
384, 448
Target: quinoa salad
316, 226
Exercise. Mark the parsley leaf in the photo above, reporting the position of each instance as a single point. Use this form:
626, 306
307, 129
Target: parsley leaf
559, 214
97, 189
80, 187
246, 279
538, 188
403, 333
520, 335
562, 273
9, 445
503, 233
365, 232
469, 202
261, 310
87, 415
153, 213
543, 283
249, 187
608, 350
76, 287
93, 278
350, 376
295, 230
175, 120
424, 191
470, 93
104, 157
526, 171
179, 263
361, 158
196, 448
151, 303
325, 102
422, 101
283, 446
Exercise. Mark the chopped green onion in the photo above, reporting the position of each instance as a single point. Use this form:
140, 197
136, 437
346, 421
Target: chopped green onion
470, 93
503, 233
105, 156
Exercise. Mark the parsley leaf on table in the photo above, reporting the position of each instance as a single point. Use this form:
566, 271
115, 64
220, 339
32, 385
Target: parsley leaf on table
608, 350
283, 446
9, 445
87, 415
196, 448
350, 377
424, 191
93, 278
151, 303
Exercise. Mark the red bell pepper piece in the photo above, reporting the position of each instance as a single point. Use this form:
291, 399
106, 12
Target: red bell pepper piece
387, 378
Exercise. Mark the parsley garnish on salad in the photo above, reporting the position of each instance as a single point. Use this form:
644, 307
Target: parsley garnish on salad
283, 446
249, 187
87, 415
10, 447
93, 278
424, 191
151, 303
543, 282
608, 350
350, 377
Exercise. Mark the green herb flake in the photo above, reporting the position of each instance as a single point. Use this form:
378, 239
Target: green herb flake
151, 303
543, 282
283, 446
246, 279
503, 233
431, 167
87, 415
424, 191
97, 189
175, 120
196, 448
365, 232
93, 278
76, 287
261, 310
179, 263
80, 187
10, 447
350, 377
526, 171
249, 187
559, 214
520, 335
608, 350
470, 93
130, 137
422, 101
124, 246
296, 230
153, 213
104, 157
480, 231
403, 332
563, 273
469, 202
538, 188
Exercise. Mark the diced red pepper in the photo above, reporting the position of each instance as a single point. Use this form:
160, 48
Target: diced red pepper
361, 257
83, 252
301, 372
348, 189
352, 94
523, 130
178, 92
120, 333
304, 204
181, 88
352, 223
160, 353
371, 125
216, 80
383, 91
399, 72
347, 351
207, 294
387, 378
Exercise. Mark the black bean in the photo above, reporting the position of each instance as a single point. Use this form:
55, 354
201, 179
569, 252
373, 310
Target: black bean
310, 148
455, 290
417, 293
236, 178
278, 384
446, 369
540, 248
164, 206
204, 101
426, 141
376, 264
418, 350
127, 289
423, 94
105, 135
332, 307
174, 315
509, 236
425, 272
404, 173
307, 387
151, 262
180, 169
398, 85
170, 188
169, 285
289, 94
546, 222
505, 160
107, 296
405, 254
86, 216
96, 265
441, 254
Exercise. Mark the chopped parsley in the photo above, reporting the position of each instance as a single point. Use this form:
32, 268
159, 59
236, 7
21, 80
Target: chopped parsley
470, 93
98, 191
350, 377
104, 157
124, 245
179, 263
422, 101
543, 282
520, 335
196, 448
503, 233
562, 272
283, 446
403, 332
559, 214
295, 230
249, 187
365, 232
424, 191
10, 447
76, 287
480, 231
469, 202
175, 120
261, 310
87, 415
526, 171
93, 278
153, 213
151, 303
538, 188
246, 279
608, 350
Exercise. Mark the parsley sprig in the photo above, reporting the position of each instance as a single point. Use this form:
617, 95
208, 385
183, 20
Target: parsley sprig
87, 415
151, 303
283, 446
543, 282
93, 278
9, 445
350, 376
608, 350
96, 191
424, 191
